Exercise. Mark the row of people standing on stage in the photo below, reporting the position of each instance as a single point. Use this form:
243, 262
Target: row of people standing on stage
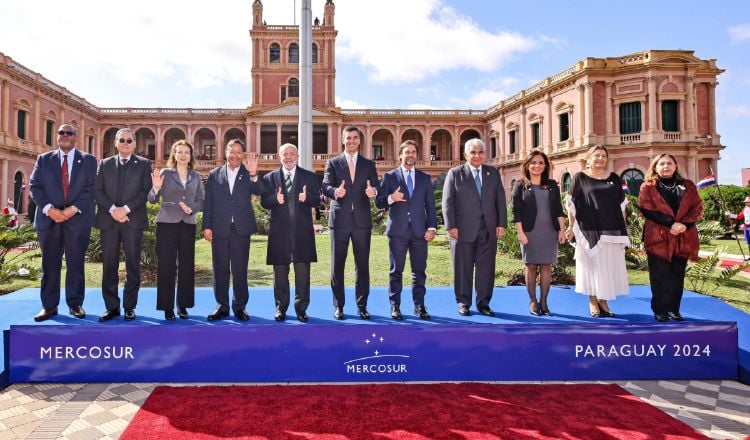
66, 185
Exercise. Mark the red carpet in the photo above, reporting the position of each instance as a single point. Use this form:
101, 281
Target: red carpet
726, 263
399, 411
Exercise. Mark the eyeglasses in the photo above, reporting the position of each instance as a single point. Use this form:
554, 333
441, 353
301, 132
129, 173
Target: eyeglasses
126, 141
66, 133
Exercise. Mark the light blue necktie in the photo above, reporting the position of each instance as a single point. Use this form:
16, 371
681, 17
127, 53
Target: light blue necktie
478, 182
409, 183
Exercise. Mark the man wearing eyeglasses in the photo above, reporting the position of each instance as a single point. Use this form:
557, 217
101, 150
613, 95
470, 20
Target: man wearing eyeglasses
61, 186
121, 190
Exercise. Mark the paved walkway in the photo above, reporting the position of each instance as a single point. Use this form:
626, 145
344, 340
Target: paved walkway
718, 409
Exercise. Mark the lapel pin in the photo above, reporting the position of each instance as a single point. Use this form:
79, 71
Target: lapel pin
78, 161
487, 173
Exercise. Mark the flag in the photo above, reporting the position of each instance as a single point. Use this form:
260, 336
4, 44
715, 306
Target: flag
625, 186
706, 181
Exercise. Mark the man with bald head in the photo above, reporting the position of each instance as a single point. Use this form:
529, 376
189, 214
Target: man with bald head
61, 186
123, 182
292, 193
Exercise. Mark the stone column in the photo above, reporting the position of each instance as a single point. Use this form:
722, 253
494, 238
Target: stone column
219, 141
548, 125
159, 153
258, 128
712, 109
37, 120
278, 134
426, 144
524, 147
689, 104
502, 138
456, 144
4, 183
652, 104
608, 107
588, 95
5, 102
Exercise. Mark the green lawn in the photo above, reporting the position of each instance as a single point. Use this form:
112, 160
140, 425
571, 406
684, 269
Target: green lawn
439, 270
730, 245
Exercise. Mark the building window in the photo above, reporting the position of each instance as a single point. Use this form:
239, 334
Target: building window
315, 53
294, 88
633, 178
564, 126
670, 120
283, 93
294, 53
50, 127
493, 146
21, 124
90, 144
566, 181
536, 135
630, 118
274, 53
512, 142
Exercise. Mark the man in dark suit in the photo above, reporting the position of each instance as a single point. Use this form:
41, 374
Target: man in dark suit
407, 193
61, 186
228, 223
350, 181
121, 190
475, 217
292, 193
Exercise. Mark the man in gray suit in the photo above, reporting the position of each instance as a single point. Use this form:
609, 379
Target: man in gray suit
475, 217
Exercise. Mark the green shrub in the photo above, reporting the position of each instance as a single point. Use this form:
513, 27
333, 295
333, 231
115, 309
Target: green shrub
16, 245
733, 196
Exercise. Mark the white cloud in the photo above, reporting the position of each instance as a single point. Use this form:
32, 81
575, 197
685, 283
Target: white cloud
348, 104
138, 45
489, 93
423, 39
739, 33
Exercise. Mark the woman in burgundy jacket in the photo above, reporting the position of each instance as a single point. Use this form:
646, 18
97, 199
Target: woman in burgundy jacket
671, 205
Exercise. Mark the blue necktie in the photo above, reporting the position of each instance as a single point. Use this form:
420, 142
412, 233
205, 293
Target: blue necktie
409, 183
478, 182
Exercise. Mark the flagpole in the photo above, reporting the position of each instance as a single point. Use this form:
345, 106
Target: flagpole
724, 207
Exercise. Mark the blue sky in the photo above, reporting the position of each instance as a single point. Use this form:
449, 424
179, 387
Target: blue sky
390, 53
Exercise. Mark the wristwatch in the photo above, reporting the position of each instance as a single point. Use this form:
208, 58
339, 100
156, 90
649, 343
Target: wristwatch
75, 209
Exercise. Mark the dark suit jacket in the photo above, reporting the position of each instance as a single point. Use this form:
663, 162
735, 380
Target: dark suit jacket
131, 191
417, 211
524, 205
220, 206
462, 206
337, 170
279, 245
46, 188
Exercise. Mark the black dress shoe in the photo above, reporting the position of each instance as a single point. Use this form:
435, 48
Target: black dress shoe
363, 314
77, 312
486, 311
607, 313
545, 311
241, 315
182, 312
463, 310
168, 315
338, 313
661, 318
108, 315
396, 313
130, 314
421, 312
675, 316
302, 317
279, 316
45, 314
217, 314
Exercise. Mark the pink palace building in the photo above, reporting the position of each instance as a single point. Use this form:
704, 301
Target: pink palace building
636, 105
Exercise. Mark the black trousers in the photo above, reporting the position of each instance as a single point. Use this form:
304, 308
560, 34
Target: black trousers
417, 247
231, 254
360, 238
469, 256
131, 240
281, 292
175, 248
667, 282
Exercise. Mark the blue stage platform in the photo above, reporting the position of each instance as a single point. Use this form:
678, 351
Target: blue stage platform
513, 345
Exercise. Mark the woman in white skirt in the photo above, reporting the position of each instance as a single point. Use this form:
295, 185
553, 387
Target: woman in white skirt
596, 215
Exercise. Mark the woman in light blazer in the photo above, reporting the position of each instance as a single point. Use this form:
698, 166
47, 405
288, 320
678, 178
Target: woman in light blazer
181, 192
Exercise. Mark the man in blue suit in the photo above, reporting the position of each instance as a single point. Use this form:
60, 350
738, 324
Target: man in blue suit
228, 223
61, 186
475, 217
350, 181
408, 195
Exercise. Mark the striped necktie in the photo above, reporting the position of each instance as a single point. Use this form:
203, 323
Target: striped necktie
288, 183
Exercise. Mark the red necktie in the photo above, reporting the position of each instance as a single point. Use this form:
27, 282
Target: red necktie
65, 181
